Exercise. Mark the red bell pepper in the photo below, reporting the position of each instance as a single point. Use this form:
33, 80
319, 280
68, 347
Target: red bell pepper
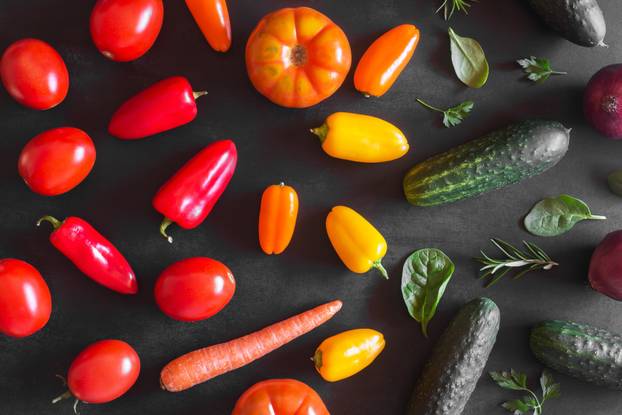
189, 196
163, 106
93, 254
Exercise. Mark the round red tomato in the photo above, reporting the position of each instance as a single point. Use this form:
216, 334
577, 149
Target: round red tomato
124, 30
103, 371
194, 289
57, 160
25, 300
280, 397
34, 74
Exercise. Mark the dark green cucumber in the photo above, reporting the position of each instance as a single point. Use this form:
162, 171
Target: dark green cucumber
581, 351
498, 159
458, 360
580, 21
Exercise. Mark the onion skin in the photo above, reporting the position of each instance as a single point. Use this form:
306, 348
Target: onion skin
605, 272
602, 102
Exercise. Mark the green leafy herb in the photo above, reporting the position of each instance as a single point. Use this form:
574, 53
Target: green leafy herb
450, 6
532, 259
424, 279
454, 115
557, 215
469, 60
518, 382
615, 182
538, 69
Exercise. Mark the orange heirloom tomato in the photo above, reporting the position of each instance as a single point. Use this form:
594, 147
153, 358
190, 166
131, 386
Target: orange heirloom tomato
385, 60
277, 218
280, 397
212, 16
297, 57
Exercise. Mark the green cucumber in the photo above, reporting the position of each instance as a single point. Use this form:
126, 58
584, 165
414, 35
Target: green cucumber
588, 353
458, 360
498, 159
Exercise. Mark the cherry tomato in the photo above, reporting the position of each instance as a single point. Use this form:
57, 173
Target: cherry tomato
103, 371
34, 74
297, 57
280, 397
25, 300
124, 30
57, 160
194, 289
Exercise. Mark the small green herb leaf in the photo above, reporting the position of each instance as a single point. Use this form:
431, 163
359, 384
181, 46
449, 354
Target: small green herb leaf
518, 381
424, 279
615, 182
508, 380
454, 115
450, 6
557, 215
538, 69
517, 406
549, 388
469, 60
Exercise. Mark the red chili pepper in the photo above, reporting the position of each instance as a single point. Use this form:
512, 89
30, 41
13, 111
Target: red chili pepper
93, 254
189, 196
163, 106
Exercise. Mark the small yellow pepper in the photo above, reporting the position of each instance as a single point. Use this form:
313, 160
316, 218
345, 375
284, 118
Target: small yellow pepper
347, 353
359, 245
361, 138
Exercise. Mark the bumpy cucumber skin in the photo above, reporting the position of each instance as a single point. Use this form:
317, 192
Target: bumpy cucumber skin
587, 353
580, 21
458, 360
498, 159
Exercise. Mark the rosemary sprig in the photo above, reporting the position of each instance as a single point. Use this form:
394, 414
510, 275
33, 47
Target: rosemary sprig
532, 259
450, 6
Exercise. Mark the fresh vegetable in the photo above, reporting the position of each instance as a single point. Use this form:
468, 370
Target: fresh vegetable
531, 260
383, 62
602, 101
280, 397
277, 218
450, 6
165, 105
194, 289
189, 196
516, 381
580, 21
297, 57
361, 138
212, 16
56, 161
557, 215
93, 254
451, 116
605, 272
614, 180
498, 159
102, 372
346, 354
538, 69
358, 244
458, 360
125, 30
34, 74
578, 350
425, 276
469, 60
204, 364
25, 300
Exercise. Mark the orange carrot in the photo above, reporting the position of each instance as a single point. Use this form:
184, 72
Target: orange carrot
204, 364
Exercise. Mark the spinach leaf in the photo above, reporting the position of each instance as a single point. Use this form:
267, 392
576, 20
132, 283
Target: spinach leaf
424, 279
469, 60
615, 182
557, 215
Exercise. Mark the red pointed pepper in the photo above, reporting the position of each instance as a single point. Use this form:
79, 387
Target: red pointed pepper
93, 254
165, 105
188, 197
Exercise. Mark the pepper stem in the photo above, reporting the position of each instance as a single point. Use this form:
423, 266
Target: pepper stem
198, 94
381, 269
321, 132
165, 224
47, 218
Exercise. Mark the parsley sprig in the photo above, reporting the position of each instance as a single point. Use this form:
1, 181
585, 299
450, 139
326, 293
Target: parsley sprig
538, 69
454, 115
518, 381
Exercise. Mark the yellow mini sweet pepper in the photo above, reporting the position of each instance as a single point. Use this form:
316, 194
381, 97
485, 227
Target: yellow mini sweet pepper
347, 353
359, 245
362, 138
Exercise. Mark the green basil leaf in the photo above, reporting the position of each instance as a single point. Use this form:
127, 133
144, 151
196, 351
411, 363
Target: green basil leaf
557, 215
469, 60
425, 276
615, 182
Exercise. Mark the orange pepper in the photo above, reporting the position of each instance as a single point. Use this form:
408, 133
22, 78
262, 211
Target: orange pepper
277, 218
385, 59
212, 16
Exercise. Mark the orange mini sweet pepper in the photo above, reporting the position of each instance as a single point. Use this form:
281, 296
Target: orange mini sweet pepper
277, 218
212, 17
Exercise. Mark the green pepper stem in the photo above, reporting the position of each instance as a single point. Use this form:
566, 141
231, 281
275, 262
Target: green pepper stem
198, 94
321, 132
47, 218
165, 224
381, 269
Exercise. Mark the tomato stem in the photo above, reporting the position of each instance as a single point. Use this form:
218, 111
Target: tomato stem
64, 396
47, 218
165, 224
321, 132
198, 94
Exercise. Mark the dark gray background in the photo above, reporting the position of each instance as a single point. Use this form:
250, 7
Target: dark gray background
274, 145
